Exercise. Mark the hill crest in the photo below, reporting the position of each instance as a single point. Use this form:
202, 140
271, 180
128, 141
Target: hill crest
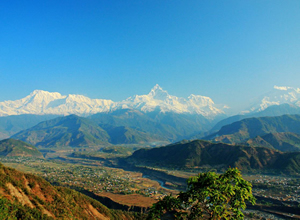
17, 148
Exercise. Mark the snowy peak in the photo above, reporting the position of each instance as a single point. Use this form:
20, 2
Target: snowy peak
156, 89
200, 100
45, 93
159, 99
43, 96
279, 95
43, 102
158, 93
286, 88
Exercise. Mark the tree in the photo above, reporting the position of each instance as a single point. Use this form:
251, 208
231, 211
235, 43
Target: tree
210, 196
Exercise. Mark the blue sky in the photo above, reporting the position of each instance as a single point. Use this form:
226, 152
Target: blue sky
230, 51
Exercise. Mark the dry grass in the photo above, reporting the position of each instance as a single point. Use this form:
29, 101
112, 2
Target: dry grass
130, 200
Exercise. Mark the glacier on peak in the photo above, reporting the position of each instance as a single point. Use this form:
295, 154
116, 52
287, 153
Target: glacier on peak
43, 102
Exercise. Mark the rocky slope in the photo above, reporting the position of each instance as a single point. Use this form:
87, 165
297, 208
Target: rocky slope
25, 196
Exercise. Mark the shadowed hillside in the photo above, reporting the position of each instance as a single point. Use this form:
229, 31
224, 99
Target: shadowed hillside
284, 141
200, 153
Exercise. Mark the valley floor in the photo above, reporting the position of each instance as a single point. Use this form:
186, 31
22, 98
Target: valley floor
137, 188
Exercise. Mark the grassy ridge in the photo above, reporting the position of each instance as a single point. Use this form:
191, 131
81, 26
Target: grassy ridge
13, 148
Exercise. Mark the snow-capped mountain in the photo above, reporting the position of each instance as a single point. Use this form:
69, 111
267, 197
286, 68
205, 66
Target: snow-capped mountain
279, 95
159, 99
43, 102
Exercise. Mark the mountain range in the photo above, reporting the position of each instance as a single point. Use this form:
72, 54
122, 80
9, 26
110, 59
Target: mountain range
155, 117
123, 126
43, 102
129, 126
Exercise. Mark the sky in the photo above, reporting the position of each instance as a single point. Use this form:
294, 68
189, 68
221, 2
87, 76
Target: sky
231, 50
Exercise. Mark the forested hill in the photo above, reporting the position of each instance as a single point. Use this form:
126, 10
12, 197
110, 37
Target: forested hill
199, 153
17, 148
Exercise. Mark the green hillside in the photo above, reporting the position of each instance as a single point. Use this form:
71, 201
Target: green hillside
162, 126
201, 153
25, 196
127, 135
71, 131
284, 141
17, 148
245, 129
75, 131
10, 125
271, 111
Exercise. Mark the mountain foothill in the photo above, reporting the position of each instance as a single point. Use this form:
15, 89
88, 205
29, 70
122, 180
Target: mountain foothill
26, 196
249, 128
17, 148
219, 156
